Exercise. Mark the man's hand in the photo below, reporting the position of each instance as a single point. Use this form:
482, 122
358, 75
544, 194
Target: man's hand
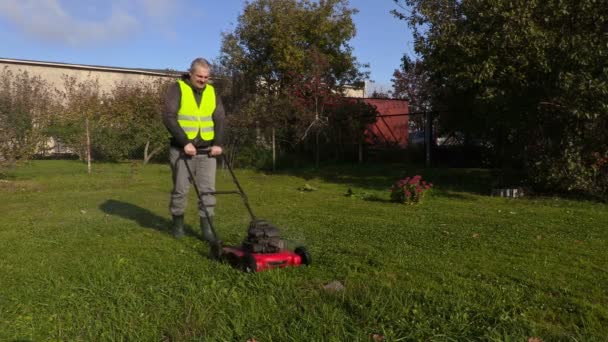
215, 151
190, 150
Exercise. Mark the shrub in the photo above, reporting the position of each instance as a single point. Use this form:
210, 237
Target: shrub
409, 190
26, 107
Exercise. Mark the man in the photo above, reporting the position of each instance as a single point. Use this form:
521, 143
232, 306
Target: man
194, 115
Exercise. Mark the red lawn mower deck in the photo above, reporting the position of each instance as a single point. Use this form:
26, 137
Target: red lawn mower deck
243, 259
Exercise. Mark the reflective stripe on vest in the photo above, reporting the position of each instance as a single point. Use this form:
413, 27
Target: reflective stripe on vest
193, 118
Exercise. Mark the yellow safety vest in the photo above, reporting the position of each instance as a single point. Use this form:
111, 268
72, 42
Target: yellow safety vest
193, 118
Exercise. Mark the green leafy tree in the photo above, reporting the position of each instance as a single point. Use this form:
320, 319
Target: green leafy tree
528, 77
273, 38
349, 118
275, 45
123, 123
411, 82
26, 108
82, 106
133, 115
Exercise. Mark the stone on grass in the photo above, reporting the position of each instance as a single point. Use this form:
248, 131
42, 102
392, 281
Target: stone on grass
334, 286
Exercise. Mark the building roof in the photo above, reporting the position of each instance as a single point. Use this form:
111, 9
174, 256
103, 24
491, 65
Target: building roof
141, 71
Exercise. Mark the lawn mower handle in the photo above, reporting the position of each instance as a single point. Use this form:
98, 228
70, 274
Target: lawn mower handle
240, 191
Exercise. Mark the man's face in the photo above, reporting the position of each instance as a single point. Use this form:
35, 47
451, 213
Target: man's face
199, 76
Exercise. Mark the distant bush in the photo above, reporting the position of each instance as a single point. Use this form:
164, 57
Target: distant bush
123, 123
409, 190
26, 107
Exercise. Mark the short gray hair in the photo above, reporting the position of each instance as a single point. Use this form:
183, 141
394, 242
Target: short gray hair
199, 62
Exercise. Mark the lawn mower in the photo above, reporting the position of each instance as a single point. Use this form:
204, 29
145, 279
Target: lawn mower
262, 249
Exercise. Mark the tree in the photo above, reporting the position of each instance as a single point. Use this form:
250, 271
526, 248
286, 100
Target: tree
273, 37
412, 83
528, 77
276, 44
123, 123
82, 103
134, 111
379, 94
311, 93
349, 119
26, 108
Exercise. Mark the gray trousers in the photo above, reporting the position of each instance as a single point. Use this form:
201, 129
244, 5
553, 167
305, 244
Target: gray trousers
203, 168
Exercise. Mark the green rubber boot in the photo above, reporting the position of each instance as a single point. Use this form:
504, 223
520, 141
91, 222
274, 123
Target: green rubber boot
215, 245
178, 226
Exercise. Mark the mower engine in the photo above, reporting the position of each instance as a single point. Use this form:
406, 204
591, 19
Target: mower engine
263, 249
263, 237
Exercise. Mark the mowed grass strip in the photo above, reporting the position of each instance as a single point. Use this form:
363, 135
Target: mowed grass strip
88, 257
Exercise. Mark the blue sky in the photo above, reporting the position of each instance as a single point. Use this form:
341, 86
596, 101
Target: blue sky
169, 33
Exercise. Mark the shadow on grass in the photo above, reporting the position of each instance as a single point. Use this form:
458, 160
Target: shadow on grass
377, 199
144, 217
454, 195
380, 177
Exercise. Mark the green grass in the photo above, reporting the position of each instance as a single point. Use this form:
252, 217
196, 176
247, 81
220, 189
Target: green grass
88, 258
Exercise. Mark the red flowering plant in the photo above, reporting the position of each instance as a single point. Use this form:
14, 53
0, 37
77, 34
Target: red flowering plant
409, 190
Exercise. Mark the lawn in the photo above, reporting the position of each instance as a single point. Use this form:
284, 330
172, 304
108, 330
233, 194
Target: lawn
89, 258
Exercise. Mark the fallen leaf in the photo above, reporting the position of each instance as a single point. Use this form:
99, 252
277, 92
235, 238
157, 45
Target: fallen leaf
535, 339
476, 235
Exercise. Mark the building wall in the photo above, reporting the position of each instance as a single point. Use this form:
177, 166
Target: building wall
55, 74
391, 127
354, 92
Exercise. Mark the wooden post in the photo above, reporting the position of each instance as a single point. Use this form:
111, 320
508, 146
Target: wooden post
317, 153
274, 152
88, 144
428, 127
360, 150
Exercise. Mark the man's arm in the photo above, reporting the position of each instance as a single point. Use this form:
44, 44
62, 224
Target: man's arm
219, 118
170, 109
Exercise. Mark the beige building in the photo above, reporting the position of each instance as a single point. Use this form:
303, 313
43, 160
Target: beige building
54, 72
350, 91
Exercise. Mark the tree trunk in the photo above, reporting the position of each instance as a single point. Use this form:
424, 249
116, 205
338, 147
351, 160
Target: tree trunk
146, 152
147, 156
88, 132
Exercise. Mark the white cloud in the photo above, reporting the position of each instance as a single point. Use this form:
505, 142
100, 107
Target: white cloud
158, 8
50, 20
163, 14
